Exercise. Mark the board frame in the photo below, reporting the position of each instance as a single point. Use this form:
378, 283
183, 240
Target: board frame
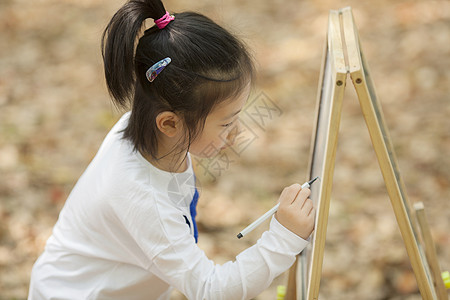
332, 83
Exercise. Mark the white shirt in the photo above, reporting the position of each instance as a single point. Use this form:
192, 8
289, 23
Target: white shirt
123, 234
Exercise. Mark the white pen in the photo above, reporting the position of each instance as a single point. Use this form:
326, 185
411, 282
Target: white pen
269, 213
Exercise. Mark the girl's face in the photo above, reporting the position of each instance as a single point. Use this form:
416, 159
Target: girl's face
221, 127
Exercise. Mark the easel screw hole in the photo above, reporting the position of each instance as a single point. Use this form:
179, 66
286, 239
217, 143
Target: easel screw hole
339, 82
358, 80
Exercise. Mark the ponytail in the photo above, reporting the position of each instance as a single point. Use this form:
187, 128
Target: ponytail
118, 46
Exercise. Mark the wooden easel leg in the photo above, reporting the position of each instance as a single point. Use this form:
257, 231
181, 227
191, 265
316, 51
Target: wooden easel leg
291, 291
430, 251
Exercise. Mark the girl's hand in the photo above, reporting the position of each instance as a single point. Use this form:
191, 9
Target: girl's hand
296, 211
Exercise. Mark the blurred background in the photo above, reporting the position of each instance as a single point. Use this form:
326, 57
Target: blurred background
55, 112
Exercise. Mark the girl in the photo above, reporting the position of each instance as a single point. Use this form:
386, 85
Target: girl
127, 230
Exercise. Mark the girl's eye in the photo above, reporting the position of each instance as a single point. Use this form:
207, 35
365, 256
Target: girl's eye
228, 124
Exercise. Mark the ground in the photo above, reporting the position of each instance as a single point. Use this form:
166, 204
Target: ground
55, 111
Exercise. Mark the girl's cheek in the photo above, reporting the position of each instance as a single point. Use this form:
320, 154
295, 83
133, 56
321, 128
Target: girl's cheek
205, 147
211, 143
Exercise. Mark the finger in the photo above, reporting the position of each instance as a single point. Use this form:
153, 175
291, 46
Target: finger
312, 211
289, 194
302, 196
307, 205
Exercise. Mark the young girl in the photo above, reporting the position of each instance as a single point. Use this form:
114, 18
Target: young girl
127, 230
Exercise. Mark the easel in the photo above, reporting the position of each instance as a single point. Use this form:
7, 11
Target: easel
342, 56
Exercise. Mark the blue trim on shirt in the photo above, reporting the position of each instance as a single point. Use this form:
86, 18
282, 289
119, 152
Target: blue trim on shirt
193, 210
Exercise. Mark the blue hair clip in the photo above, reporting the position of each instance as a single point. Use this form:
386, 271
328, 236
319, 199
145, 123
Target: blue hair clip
154, 70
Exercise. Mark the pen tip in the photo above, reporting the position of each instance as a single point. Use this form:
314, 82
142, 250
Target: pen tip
239, 235
310, 182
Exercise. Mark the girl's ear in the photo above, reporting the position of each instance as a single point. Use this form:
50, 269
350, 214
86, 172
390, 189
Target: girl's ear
169, 123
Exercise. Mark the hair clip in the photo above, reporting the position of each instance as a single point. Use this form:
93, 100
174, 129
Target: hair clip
154, 70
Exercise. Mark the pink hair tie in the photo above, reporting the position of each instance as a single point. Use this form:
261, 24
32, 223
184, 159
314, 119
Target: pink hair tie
164, 20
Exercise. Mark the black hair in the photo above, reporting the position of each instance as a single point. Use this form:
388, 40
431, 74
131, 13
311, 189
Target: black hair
208, 65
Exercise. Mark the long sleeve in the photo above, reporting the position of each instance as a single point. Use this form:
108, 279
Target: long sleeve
176, 259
